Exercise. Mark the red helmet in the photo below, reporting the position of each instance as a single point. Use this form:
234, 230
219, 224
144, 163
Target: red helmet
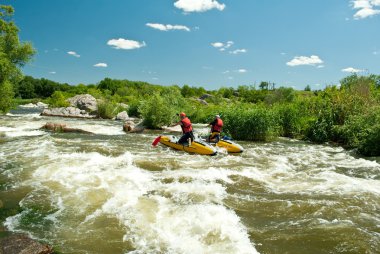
182, 114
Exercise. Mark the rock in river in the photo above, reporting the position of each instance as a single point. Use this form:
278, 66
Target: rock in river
84, 101
67, 112
16, 244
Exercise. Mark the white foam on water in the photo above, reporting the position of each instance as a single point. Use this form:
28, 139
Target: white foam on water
176, 217
309, 169
22, 131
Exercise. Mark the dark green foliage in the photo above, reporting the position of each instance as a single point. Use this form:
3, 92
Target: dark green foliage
256, 123
13, 55
6, 95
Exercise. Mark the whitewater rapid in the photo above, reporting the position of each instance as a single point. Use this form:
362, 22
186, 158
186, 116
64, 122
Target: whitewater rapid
111, 192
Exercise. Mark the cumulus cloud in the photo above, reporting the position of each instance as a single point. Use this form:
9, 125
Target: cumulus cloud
199, 5
238, 51
351, 70
104, 65
304, 60
163, 27
222, 46
365, 8
73, 53
125, 44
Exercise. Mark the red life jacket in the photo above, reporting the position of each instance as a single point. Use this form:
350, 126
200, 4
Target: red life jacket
217, 127
186, 125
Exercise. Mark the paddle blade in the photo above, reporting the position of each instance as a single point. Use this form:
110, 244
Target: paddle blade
156, 141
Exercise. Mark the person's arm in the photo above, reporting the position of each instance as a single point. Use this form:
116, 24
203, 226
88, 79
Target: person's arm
176, 124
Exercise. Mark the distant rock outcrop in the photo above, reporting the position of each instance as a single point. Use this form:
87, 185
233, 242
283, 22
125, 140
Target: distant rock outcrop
84, 101
122, 116
16, 244
61, 127
67, 112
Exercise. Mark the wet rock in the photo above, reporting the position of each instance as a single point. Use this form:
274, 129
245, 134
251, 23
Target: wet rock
128, 126
84, 101
61, 127
139, 128
122, 116
21, 244
67, 112
42, 105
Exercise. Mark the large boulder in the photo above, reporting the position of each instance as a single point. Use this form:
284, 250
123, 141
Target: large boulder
122, 116
67, 112
84, 101
16, 244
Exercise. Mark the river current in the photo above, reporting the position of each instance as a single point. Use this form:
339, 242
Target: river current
111, 192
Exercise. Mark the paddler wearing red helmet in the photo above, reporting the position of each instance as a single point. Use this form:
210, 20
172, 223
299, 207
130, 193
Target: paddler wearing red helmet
187, 129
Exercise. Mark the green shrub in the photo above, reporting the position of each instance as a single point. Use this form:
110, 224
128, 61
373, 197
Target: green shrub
369, 144
257, 123
157, 111
108, 109
58, 100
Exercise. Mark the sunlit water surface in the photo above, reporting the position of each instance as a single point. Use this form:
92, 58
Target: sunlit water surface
111, 192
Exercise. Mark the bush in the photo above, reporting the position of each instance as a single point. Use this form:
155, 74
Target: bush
108, 109
369, 144
256, 124
6, 96
58, 100
157, 111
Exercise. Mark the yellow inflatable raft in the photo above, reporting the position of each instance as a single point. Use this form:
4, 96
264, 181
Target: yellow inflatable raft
197, 146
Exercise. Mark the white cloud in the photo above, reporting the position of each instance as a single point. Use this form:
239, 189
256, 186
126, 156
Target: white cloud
217, 44
304, 60
366, 8
199, 5
222, 46
320, 66
73, 53
225, 72
125, 44
52, 72
241, 71
163, 27
376, 53
365, 13
238, 51
104, 65
351, 70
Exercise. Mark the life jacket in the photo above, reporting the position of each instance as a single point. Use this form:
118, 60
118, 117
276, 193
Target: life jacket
217, 127
186, 125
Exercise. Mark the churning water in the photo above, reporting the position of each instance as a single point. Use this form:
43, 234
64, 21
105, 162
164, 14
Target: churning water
111, 192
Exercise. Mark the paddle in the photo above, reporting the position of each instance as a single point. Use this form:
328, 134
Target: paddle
156, 141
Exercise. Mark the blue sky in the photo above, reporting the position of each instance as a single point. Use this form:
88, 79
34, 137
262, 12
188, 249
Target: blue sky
206, 43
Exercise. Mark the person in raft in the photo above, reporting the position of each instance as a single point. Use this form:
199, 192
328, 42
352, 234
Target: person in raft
216, 129
187, 129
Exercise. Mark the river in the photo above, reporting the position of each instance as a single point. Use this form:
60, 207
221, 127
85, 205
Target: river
111, 192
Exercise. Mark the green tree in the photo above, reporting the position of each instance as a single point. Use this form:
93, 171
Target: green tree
13, 55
